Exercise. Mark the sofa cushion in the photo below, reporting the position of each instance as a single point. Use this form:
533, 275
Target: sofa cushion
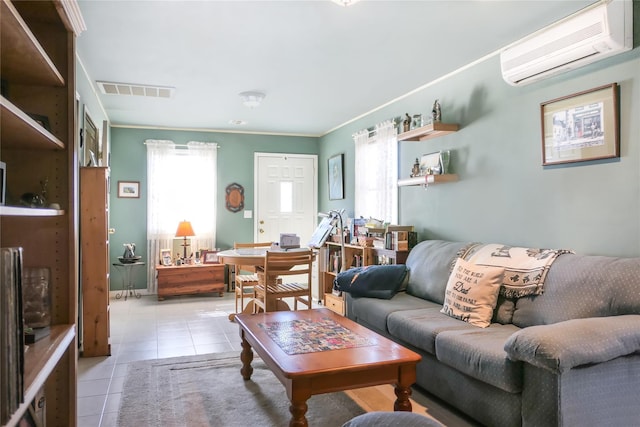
374, 281
480, 354
472, 292
420, 327
374, 311
579, 286
430, 263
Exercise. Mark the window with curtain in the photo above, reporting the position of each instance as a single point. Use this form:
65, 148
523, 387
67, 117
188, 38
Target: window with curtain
176, 176
376, 173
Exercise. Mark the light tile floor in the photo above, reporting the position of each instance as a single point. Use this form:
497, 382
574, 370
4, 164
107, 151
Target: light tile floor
146, 328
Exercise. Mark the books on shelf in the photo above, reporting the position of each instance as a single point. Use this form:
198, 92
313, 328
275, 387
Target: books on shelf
11, 333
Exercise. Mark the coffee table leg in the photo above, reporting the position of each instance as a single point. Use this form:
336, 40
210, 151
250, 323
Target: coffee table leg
298, 409
246, 356
402, 402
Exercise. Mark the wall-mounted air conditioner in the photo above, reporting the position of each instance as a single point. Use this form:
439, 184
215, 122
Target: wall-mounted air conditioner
588, 36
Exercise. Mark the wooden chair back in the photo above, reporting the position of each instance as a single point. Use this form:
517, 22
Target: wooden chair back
273, 285
250, 268
288, 263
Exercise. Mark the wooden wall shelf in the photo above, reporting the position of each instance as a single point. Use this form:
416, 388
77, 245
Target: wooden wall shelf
429, 131
427, 180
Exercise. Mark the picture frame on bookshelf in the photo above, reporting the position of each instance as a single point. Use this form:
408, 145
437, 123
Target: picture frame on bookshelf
210, 257
41, 120
165, 257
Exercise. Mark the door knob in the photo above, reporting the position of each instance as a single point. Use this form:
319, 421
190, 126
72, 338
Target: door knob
261, 222
261, 231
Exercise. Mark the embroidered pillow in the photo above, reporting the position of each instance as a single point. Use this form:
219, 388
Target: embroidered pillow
472, 292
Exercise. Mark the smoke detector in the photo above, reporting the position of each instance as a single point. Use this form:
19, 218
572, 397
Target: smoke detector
251, 99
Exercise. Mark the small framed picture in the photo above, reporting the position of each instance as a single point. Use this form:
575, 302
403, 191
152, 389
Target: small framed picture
210, 257
165, 257
129, 189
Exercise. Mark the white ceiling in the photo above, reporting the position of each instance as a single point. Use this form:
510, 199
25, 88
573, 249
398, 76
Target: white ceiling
320, 65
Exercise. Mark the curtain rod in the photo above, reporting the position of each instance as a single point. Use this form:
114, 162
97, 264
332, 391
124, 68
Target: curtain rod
187, 145
372, 131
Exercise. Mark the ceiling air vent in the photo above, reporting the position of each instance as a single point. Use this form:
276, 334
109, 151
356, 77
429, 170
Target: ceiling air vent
112, 88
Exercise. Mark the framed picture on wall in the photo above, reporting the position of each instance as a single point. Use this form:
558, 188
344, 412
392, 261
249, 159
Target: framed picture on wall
580, 127
129, 189
336, 177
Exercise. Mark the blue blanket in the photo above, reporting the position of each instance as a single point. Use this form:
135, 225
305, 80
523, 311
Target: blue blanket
374, 281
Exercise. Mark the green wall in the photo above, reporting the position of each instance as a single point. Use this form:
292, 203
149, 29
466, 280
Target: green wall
504, 194
235, 164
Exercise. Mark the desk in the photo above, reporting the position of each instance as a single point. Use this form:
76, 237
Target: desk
250, 256
190, 279
127, 285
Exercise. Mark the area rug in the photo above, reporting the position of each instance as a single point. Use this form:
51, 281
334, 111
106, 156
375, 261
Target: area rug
208, 390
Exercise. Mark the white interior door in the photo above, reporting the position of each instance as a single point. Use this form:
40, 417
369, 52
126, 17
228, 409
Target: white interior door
286, 199
285, 196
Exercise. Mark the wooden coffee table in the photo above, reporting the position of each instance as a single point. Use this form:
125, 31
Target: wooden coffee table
351, 356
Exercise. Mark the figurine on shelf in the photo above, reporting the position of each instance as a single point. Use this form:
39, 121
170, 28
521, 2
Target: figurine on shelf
435, 112
415, 171
406, 123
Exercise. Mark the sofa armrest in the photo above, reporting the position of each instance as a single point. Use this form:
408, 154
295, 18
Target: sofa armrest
565, 345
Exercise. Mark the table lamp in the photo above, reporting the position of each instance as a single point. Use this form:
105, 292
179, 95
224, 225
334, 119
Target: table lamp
185, 230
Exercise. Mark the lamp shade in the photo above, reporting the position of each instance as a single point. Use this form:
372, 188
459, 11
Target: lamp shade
185, 229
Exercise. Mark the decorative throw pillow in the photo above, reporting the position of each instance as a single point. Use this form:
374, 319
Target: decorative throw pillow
373, 281
472, 292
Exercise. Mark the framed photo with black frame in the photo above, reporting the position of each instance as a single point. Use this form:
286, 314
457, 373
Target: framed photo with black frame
336, 177
580, 127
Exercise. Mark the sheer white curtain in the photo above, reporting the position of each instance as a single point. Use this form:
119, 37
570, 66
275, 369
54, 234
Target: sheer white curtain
376, 173
181, 185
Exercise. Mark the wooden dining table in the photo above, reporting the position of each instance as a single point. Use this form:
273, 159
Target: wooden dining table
251, 257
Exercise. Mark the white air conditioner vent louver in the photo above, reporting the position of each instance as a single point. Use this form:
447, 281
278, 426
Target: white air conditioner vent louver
589, 36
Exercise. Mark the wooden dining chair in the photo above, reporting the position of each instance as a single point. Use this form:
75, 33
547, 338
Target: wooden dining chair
273, 285
245, 283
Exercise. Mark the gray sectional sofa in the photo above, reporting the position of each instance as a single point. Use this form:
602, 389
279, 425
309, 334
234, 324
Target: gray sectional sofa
567, 357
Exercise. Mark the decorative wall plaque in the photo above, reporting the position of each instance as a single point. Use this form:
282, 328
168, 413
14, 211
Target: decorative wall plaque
234, 198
